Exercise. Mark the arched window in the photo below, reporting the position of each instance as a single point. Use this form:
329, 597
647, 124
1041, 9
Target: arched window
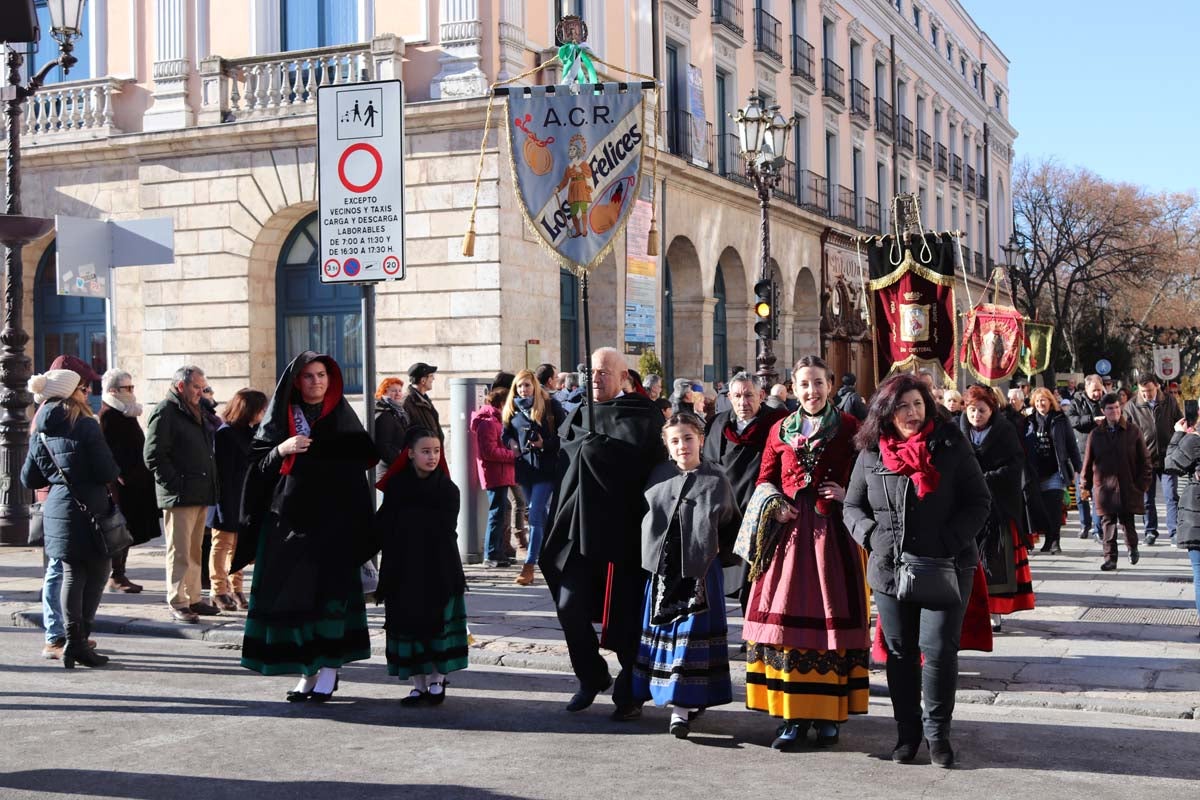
667, 357
310, 315
67, 325
720, 339
568, 314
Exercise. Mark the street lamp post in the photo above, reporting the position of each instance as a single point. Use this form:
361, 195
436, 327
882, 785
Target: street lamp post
1102, 299
15, 232
762, 140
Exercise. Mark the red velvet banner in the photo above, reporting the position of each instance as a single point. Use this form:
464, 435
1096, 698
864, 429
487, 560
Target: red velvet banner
992, 342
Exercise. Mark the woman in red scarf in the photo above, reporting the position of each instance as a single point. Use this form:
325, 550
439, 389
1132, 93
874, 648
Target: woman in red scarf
916, 486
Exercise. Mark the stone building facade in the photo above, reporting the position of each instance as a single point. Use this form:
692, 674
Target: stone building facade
204, 111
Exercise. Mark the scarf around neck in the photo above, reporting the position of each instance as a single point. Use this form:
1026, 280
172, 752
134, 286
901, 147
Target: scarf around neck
911, 457
128, 409
809, 448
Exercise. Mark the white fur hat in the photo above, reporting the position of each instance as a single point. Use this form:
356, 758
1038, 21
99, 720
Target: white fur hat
53, 384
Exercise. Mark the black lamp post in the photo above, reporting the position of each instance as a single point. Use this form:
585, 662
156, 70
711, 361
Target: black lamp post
1102, 299
15, 232
762, 138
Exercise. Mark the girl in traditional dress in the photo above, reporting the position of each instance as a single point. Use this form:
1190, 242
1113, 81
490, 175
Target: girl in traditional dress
306, 520
683, 660
806, 619
421, 582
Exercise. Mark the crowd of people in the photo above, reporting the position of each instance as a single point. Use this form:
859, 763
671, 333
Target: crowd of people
806, 504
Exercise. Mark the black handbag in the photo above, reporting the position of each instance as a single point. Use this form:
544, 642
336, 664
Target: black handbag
112, 534
922, 580
37, 533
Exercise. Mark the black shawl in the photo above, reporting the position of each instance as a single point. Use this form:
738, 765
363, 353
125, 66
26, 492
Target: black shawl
421, 569
313, 509
740, 454
1002, 458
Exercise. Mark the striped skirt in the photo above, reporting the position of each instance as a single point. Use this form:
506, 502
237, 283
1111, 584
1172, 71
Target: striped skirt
444, 653
338, 636
793, 684
1022, 599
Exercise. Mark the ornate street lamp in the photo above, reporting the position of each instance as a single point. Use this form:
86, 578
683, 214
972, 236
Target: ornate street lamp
1102, 299
762, 139
15, 232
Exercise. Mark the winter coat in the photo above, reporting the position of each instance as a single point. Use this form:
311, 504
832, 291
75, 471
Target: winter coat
1183, 459
179, 451
493, 460
134, 489
708, 516
1157, 425
943, 524
421, 412
232, 450
83, 455
391, 426
849, 401
1117, 469
782, 468
1082, 415
1066, 450
1002, 460
740, 455
536, 465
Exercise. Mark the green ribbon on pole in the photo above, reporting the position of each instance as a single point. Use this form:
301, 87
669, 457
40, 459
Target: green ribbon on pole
568, 54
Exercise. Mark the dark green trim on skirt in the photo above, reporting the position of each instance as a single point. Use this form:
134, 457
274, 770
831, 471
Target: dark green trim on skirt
338, 637
447, 653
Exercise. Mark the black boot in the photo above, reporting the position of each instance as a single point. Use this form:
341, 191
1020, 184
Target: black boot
77, 649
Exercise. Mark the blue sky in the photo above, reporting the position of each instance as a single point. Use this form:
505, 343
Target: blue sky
1107, 85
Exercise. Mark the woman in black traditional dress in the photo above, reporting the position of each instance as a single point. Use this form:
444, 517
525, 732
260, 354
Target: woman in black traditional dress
306, 519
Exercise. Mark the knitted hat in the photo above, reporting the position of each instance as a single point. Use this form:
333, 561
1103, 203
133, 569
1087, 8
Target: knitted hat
55, 383
76, 365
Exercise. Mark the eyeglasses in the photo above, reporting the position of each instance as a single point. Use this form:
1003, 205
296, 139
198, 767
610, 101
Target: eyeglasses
83, 387
128, 388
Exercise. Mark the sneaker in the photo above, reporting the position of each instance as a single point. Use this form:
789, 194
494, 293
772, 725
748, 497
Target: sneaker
1150, 539
1133, 555
53, 650
204, 609
185, 615
1109, 565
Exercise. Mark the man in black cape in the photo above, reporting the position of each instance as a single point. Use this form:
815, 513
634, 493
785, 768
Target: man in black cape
592, 555
735, 441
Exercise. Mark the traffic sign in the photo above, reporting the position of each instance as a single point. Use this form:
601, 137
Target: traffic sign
1103, 366
360, 164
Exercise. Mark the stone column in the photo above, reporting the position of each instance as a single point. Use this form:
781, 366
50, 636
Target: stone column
512, 38
387, 57
171, 108
460, 32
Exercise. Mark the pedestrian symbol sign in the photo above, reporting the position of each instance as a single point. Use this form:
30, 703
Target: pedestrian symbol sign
360, 164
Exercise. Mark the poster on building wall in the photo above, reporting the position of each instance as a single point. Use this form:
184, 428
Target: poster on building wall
912, 291
641, 281
698, 125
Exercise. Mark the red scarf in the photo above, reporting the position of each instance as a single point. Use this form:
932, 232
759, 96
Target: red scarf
911, 457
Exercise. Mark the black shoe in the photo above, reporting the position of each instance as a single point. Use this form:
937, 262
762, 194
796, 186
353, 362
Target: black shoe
1134, 556
204, 609
824, 737
790, 735
680, 729
585, 696
298, 697
76, 650
1055, 550
627, 713
415, 698
1150, 539
1085, 534
322, 697
941, 754
436, 698
1109, 565
904, 752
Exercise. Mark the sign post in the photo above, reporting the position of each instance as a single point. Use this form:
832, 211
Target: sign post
360, 180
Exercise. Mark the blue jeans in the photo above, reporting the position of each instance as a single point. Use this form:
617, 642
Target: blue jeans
537, 495
1170, 490
1194, 555
498, 508
52, 613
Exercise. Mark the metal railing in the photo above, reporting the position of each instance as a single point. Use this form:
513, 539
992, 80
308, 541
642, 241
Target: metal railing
860, 101
685, 136
982, 192
768, 36
883, 117
730, 163
802, 59
813, 192
979, 265
846, 209
786, 188
834, 80
924, 147
72, 110
728, 13
969, 181
956, 169
941, 161
906, 133
871, 219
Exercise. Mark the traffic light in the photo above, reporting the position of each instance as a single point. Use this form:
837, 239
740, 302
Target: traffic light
764, 309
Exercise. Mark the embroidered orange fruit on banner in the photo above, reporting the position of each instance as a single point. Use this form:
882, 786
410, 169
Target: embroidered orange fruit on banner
537, 157
606, 213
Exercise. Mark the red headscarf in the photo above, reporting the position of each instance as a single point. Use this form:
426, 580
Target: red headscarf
911, 457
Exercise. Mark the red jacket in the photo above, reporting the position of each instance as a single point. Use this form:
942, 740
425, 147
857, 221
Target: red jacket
781, 467
494, 461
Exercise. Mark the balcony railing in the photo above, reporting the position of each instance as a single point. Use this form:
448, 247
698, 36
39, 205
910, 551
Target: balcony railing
870, 220
802, 59
768, 36
982, 192
834, 80
906, 133
285, 84
730, 163
860, 101
72, 111
883, 117
813, 192
941, 160
689, 137
956, 169
979, 265
728, 14
970, 180
924, 147
786, 188
846, 209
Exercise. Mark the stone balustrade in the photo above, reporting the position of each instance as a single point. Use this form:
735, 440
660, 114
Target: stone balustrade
71, 111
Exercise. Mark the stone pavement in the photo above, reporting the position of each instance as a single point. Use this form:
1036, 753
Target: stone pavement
1120, 642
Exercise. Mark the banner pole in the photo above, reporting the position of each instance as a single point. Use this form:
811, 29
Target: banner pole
587, 348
